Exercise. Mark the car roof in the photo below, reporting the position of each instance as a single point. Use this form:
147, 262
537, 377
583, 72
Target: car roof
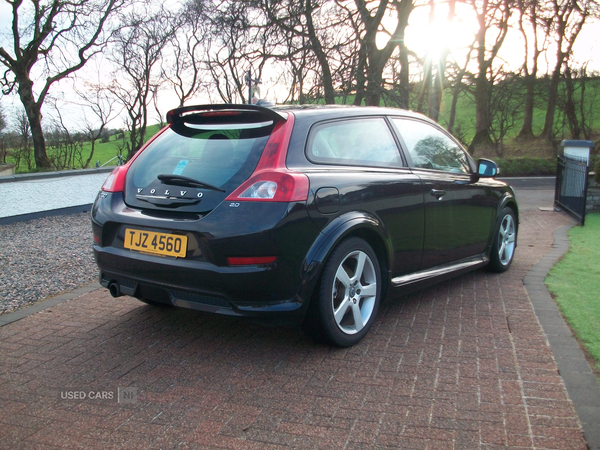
324, 112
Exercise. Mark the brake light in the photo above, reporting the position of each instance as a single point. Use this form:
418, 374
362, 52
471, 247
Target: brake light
272, 181
116, 180
273, 186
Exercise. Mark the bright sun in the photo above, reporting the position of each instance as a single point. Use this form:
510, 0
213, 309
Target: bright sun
443, 35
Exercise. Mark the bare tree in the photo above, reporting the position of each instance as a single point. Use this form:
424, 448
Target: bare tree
188, 51
316, 39
587, 99
2, 119
578, 104
504, 108
137, 52
3, 139
568, 17
369, 23
56, 38
533, 22
439, 81
22, 143
492, 18
104, 109
67, 147
458, 87
231, 48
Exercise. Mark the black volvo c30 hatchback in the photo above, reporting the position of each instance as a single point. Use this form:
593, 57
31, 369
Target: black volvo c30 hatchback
298, 215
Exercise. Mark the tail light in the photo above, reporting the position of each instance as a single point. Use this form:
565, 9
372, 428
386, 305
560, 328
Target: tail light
273, 186
271, 180
116, 180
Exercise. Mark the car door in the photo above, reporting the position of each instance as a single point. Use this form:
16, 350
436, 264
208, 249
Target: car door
459, 211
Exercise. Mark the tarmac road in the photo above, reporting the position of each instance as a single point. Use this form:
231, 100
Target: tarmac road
540, 191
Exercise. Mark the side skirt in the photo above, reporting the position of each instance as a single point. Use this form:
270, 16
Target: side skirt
441, 272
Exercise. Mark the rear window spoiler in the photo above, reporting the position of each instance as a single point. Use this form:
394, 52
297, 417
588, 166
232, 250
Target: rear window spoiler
202, 114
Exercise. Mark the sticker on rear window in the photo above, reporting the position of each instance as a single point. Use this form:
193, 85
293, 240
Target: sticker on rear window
180, 166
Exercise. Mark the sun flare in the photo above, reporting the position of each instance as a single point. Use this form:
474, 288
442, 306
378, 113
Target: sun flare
441, 36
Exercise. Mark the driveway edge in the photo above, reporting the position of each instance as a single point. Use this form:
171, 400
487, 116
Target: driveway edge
581, 383
48, 303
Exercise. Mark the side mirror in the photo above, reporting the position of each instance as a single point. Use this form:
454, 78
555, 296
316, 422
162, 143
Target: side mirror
487, 168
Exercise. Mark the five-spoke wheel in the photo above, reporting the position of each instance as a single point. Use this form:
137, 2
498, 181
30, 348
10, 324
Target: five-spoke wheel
505, 242
348, 298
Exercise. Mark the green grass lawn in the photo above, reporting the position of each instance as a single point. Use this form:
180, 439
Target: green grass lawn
105, 151
575, 284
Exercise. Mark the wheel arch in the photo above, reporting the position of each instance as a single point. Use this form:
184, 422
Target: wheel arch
358, 224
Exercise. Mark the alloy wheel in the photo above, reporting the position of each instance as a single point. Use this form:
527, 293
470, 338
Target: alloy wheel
354, 292
506, 239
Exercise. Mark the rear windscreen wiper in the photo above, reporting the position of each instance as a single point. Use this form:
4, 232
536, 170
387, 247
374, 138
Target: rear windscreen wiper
180, 180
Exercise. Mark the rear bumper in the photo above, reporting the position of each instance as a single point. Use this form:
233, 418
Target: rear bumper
204, 279
259, 292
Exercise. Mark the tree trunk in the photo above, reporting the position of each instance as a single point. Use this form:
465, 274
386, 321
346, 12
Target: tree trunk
403, 57
548, 131
437, 89
526, 131
34, 115
374, 82
424, 92
455, 93
570, 113
360, 77
482, 139
404, 77
321, 56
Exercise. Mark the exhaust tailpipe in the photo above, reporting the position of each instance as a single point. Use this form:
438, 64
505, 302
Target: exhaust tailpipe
114, 289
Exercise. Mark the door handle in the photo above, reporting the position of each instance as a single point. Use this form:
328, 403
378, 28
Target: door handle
437, 193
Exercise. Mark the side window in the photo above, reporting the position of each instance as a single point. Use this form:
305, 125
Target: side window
429, 148
363, 141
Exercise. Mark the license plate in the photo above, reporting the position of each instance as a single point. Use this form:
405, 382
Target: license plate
156, 243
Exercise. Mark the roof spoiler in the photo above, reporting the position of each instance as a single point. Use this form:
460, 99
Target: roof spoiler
175, 115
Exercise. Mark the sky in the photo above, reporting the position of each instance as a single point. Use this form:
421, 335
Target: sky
457, 36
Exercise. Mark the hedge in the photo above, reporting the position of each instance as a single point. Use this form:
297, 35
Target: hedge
526, 167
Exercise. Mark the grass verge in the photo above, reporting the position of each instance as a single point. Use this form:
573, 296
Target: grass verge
575, 284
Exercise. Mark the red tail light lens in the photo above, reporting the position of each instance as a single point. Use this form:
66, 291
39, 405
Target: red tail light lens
116, 180
271, 181
273, 186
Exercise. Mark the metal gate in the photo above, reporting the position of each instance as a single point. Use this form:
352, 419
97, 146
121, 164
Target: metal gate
571, 187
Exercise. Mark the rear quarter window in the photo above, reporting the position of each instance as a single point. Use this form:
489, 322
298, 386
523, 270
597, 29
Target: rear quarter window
356, 142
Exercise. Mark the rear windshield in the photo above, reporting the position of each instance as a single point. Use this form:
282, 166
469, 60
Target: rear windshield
220, 155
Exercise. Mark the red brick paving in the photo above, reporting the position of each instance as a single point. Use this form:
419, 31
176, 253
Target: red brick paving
461, 365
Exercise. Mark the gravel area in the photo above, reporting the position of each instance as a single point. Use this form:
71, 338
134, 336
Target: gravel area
43, 258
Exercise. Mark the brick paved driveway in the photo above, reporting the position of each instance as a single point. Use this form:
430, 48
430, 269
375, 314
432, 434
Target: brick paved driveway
461, 365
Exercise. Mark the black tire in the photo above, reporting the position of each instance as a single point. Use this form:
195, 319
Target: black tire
505, 242
355, 296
